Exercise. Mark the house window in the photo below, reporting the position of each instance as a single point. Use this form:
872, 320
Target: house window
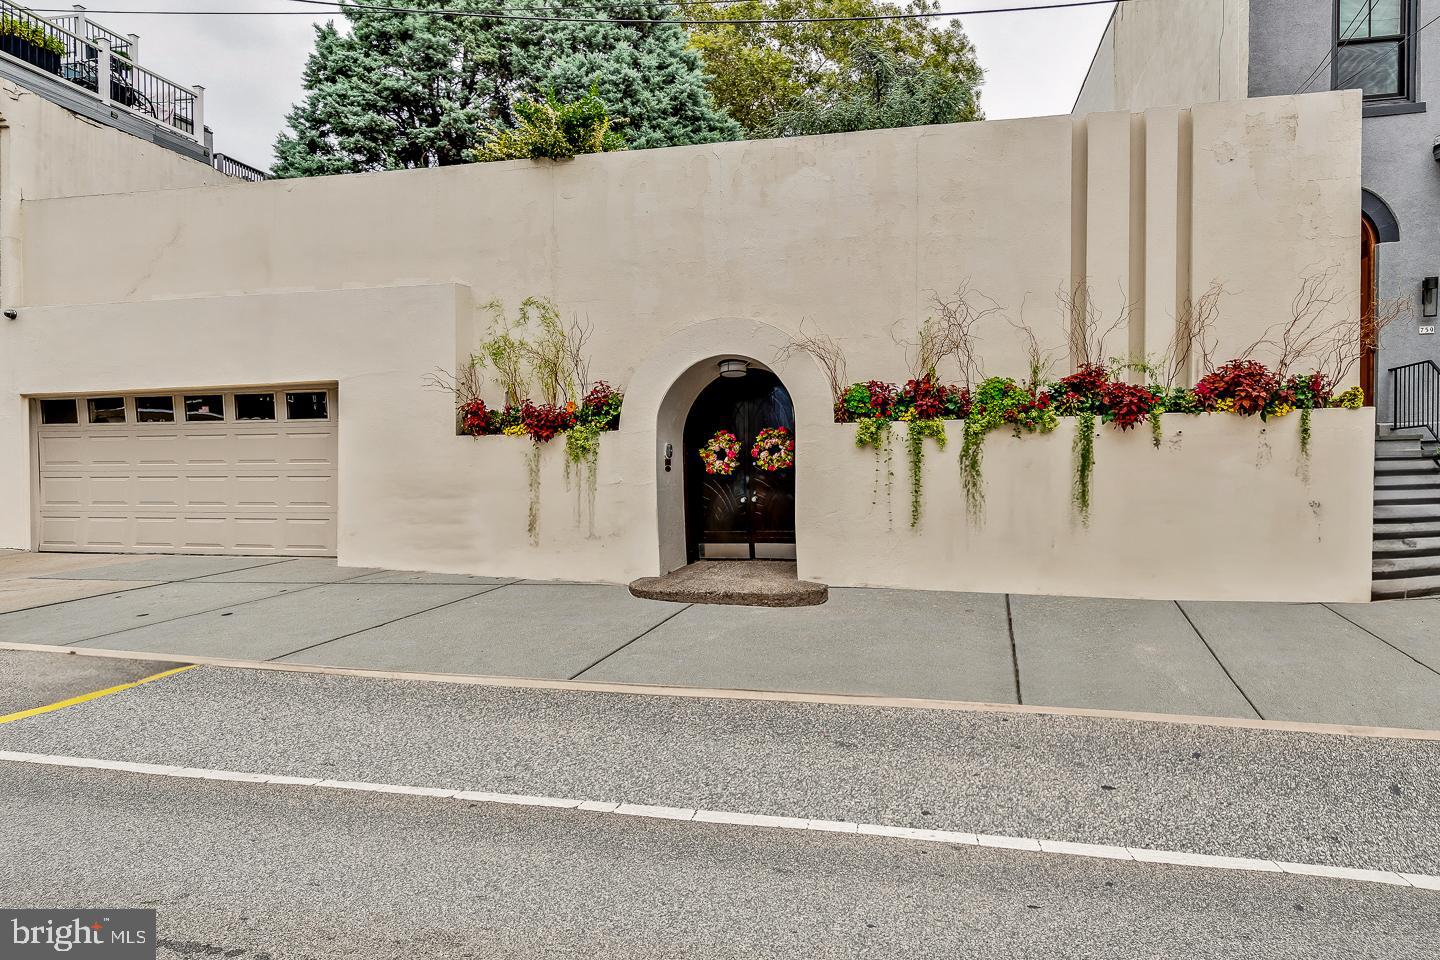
1374, 48
306, 405
58, 411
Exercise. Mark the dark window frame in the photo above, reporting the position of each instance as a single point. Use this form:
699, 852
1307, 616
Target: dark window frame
1409, 58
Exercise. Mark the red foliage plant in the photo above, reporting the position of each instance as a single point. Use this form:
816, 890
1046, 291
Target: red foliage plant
475, 419
1086, 383
1247, 384
926, 397
543, 421
1125, 404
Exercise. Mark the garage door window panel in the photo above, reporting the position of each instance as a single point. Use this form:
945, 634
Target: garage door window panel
254, 406
307, 405
154, 409
58, 411
106, 409
205, 408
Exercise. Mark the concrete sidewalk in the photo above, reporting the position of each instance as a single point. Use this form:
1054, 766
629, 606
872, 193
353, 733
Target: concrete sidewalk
1372, 664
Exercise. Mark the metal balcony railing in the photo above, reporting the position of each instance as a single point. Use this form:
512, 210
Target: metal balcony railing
81, 52
1415, 397
231, 167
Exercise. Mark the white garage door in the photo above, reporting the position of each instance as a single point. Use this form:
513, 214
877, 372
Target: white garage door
247, 470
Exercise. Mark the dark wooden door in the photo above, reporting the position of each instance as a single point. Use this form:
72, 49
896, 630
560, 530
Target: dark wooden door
750, 512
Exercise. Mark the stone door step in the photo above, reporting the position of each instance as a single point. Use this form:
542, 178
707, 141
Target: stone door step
755, 583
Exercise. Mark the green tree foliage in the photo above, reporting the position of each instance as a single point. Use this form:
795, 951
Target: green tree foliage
896, 92
397, 90
766, 74
553, 130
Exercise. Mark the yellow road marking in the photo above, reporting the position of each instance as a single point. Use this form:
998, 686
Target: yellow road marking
95, 695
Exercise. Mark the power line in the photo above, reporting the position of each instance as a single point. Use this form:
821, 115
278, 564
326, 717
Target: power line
1329, 54
1374, 58
335, 7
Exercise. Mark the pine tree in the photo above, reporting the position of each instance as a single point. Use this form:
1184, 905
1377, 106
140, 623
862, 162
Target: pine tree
400, 90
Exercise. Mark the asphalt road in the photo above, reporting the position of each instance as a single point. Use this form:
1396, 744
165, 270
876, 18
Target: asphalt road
29, 680
267, 873
1346, 801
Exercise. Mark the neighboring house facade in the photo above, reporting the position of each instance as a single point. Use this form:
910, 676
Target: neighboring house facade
194, 364
1192, 51
79, 63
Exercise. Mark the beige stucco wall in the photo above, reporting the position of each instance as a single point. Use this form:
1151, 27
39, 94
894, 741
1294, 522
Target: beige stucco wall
47, 151
51, 152
679, 257
1224, 509
1169, 54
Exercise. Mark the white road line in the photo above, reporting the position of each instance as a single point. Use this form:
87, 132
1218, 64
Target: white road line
1054, 847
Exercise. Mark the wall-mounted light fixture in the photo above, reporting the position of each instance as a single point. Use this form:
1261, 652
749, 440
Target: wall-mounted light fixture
733, 368
1430, 296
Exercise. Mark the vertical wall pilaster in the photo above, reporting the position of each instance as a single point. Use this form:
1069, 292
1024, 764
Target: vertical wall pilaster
1114, 263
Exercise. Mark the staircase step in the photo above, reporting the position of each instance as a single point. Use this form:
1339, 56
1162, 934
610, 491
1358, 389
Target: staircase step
1407, 481
1395, 530
1406, 512
1408, 547
1407, 495
1398, 568
1422, 466
1404, 433
1391, 451
1408, 587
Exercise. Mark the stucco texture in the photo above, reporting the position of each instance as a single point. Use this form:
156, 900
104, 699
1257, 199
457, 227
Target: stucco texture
684, 256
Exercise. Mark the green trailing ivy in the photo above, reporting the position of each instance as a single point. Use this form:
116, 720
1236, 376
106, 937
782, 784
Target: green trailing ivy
915, 446
972, 455
1305, 434
997, 402
582, 457
875, 433
1084, 458
1157, 428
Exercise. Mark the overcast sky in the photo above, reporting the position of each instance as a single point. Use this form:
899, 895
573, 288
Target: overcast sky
250, 66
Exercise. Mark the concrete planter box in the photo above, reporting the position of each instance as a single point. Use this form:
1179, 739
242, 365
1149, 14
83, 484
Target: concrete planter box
1224, 509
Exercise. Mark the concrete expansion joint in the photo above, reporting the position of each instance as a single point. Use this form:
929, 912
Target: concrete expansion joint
1140, 855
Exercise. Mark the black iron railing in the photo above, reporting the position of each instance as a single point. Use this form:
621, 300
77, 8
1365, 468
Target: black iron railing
231, 167
101, 61
1415, 397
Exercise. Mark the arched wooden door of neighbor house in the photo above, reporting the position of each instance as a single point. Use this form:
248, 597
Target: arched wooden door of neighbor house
749, 514
1367, 309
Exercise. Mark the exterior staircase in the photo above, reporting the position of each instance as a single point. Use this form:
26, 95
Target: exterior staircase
1407, 515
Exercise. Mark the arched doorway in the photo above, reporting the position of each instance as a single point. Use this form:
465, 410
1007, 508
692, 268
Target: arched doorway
750, 513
